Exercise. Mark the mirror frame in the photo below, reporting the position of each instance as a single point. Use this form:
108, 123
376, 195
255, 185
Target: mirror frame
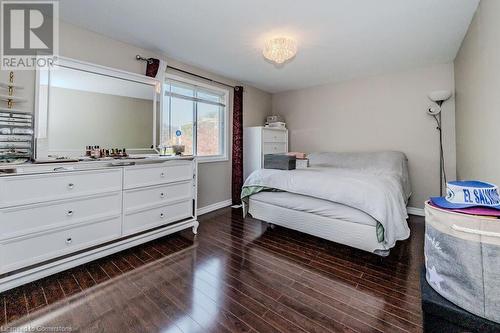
41, 124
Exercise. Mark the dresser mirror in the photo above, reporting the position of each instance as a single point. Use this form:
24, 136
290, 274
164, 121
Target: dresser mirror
81, 104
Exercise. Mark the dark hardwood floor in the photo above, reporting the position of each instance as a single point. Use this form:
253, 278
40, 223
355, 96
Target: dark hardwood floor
236, 276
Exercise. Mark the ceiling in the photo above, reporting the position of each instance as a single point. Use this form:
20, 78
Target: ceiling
338, 40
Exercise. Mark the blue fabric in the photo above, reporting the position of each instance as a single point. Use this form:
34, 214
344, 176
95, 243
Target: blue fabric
470, 183
443, 203
468, 194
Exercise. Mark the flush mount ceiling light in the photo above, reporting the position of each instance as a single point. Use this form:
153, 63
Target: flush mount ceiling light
280, 49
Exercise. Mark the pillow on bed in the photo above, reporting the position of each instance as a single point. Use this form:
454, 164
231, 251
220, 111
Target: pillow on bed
394, 162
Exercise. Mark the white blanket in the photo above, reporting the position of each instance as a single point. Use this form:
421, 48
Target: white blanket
380, 162
379, 195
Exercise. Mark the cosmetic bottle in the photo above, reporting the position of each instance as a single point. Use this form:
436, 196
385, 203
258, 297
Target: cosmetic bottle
95, 152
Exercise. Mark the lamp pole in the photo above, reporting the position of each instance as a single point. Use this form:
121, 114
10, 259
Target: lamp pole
441, 157
439, 127
439, 97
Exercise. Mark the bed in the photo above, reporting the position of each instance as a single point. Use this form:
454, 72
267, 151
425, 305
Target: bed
356, 199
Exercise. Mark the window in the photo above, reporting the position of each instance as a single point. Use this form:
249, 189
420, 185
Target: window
195, 115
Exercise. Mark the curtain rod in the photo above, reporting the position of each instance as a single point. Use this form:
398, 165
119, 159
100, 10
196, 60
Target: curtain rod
201, 77
150, 60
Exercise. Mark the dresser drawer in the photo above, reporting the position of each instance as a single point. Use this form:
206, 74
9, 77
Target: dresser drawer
137, 199
148, 175
150, 218
20, 220
274, 148
274, 135
21, 190
22, 252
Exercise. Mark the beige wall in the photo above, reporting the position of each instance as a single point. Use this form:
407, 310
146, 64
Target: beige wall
477, 68
256, 106
377, 113
214, 178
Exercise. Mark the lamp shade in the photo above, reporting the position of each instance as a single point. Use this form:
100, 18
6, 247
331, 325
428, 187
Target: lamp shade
439, 95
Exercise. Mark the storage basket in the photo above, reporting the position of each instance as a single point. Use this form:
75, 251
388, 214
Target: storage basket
462, 259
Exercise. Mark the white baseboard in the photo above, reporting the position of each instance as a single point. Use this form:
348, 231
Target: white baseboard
215, 206
415, 211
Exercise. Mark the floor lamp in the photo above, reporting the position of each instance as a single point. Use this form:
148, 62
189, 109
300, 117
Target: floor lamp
439, 97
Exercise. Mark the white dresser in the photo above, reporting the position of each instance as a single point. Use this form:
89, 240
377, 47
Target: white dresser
258, 141
53, 217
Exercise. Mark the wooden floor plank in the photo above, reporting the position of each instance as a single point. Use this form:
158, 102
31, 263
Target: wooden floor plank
233, 301
96, 272
83, 277
339, 275
68, 283
35, 297
108, 266
285, 288
15, 304
52, 289
3, 318
237, 275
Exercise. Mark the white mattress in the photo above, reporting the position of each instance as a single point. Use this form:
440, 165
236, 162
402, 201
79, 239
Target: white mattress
357, 235
315, 206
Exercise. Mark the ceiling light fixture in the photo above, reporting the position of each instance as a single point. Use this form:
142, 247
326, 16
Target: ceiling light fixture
280, 49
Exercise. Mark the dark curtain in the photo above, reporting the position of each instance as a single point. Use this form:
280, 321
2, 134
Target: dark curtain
237, 145
152, 67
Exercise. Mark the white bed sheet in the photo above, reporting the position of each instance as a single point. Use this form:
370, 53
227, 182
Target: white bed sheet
316, 206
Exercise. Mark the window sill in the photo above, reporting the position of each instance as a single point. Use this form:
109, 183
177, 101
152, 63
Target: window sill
210, 159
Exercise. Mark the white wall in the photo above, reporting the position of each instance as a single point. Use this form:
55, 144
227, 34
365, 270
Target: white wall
477, 68
74, 42
377, 113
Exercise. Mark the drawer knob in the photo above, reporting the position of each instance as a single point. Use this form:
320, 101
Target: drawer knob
69, 240
162, 215
71, 186
162, 175
69, 213
162, 195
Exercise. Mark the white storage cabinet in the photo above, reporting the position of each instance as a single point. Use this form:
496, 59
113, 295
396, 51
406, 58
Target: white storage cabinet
258, 141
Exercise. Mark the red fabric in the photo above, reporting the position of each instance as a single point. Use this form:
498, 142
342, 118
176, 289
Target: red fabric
237, 176
152, 67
